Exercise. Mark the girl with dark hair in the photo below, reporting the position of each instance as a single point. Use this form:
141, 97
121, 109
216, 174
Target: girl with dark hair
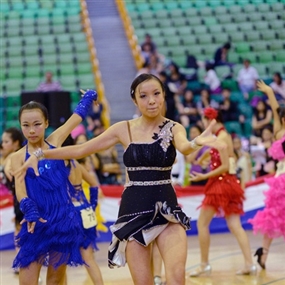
149, 210
51, 234
223, 197
12, 141
271, 220
278, 86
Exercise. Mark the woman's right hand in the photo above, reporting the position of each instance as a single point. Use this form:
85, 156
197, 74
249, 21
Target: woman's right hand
32, 162
264, 88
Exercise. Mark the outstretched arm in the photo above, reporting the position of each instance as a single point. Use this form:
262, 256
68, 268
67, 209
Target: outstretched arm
273, 104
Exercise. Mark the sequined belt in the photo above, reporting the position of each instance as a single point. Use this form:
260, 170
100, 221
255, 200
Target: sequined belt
148, 168
148, 183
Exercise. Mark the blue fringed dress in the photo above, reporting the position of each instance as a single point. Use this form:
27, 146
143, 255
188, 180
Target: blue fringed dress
57, 241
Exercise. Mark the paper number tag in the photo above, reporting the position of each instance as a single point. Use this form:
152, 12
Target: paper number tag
88, 218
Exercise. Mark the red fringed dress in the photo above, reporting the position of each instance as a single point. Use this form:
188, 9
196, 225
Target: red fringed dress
223, 192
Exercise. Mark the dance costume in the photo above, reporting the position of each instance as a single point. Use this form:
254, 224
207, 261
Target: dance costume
149, 202
57, 241
271, 220
223, 192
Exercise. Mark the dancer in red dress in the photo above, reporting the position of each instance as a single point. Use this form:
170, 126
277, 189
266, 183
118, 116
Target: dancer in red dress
223, 197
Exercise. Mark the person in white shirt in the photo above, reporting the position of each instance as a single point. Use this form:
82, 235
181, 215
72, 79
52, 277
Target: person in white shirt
212, 80
49, 85
247, 77
278, 86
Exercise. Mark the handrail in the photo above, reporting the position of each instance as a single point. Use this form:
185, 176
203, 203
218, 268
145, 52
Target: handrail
129, 30
95, 64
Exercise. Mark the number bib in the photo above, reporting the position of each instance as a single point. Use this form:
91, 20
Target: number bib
88, 218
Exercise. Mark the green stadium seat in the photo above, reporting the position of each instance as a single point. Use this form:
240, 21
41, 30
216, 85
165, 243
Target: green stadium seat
43, 13
231, 28
83, 47
14, 51
33, 71
261, 26
155, 32
54, 21
169, 32
242, 47
280, 56
204, 39
245, 110
175, 13
195, 21
222, 71
190, 40
251, 56
58, 12
215, 4
180, 60
52, 59
12, 113
248, 128
245, 26
11, 23
67, 69
281, 34
252, 36
270, 16
178, 51
64, 39
250, 9
260, 46
277, 24
276, 67
225, 19
15, 73
13, 85
216, 29
156, 6
191, 12
199, 30
221, 38
162, 14
13, 123
84, 68
151, 23
145, 15
185, 5
195, 49
265, 57
209, 21
235, 10
234, 57
209, 50
268, 35
234, 128
236, 95
173, 41
31, 83
15, 61
179, 22
46, 39
32, 5
265, 8
86, 81
31, 60
60, 29
206, 12
257, 2
220, 10
13, 101
230, 84
11, 32
277, 7
255, 17
200, 4
185, 31
30, 41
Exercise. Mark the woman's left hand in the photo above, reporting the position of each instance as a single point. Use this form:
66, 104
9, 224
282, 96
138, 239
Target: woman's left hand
31, 162
196, 176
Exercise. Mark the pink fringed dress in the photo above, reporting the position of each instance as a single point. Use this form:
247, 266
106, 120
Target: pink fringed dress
271, 220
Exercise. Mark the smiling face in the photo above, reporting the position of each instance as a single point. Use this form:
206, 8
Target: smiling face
149, 98
33, 125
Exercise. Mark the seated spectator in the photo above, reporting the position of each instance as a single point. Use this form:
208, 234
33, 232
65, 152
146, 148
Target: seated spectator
212, 79
221, 56
178, 169
262, 116
206, 101
229, 109
278, 86
247, 78
263, 163
109, 170
170, 97
176, 78
94, 117
243, 162
146, 52
188, 111
149, 42
49, 85
199, 161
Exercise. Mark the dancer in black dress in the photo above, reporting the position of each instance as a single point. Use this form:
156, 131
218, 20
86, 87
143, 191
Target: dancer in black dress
149, 209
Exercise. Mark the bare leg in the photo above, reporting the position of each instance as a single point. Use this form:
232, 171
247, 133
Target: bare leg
92, 266
139, 262
172, 244
265, 245
56, 276
156, 263
234, 225
30, 275
204, 220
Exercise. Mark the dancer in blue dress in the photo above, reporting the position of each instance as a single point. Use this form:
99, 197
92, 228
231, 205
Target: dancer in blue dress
51, 234
149, 209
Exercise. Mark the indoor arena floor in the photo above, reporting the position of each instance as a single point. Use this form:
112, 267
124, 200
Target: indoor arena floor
225, 258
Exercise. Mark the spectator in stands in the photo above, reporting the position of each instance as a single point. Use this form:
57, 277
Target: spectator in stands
49, 84
229, 109
177, 78
188, 111
199, 161
243, 162
212, 79
94, 117
221, 56
261, 118
170, 97
247, 78
206, 101
278, 86
151, 46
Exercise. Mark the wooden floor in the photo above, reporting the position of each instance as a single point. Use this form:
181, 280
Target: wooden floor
225, 258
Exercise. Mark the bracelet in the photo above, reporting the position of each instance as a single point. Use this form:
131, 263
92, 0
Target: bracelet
39, 153
194, 145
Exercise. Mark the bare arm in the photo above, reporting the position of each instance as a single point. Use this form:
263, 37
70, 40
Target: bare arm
88, 177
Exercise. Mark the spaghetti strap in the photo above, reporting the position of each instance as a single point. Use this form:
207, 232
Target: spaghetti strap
129, 130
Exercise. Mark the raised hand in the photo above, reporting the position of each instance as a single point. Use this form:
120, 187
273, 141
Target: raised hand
261, 86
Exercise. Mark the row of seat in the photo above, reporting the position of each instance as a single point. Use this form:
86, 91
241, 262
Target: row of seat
271, 5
